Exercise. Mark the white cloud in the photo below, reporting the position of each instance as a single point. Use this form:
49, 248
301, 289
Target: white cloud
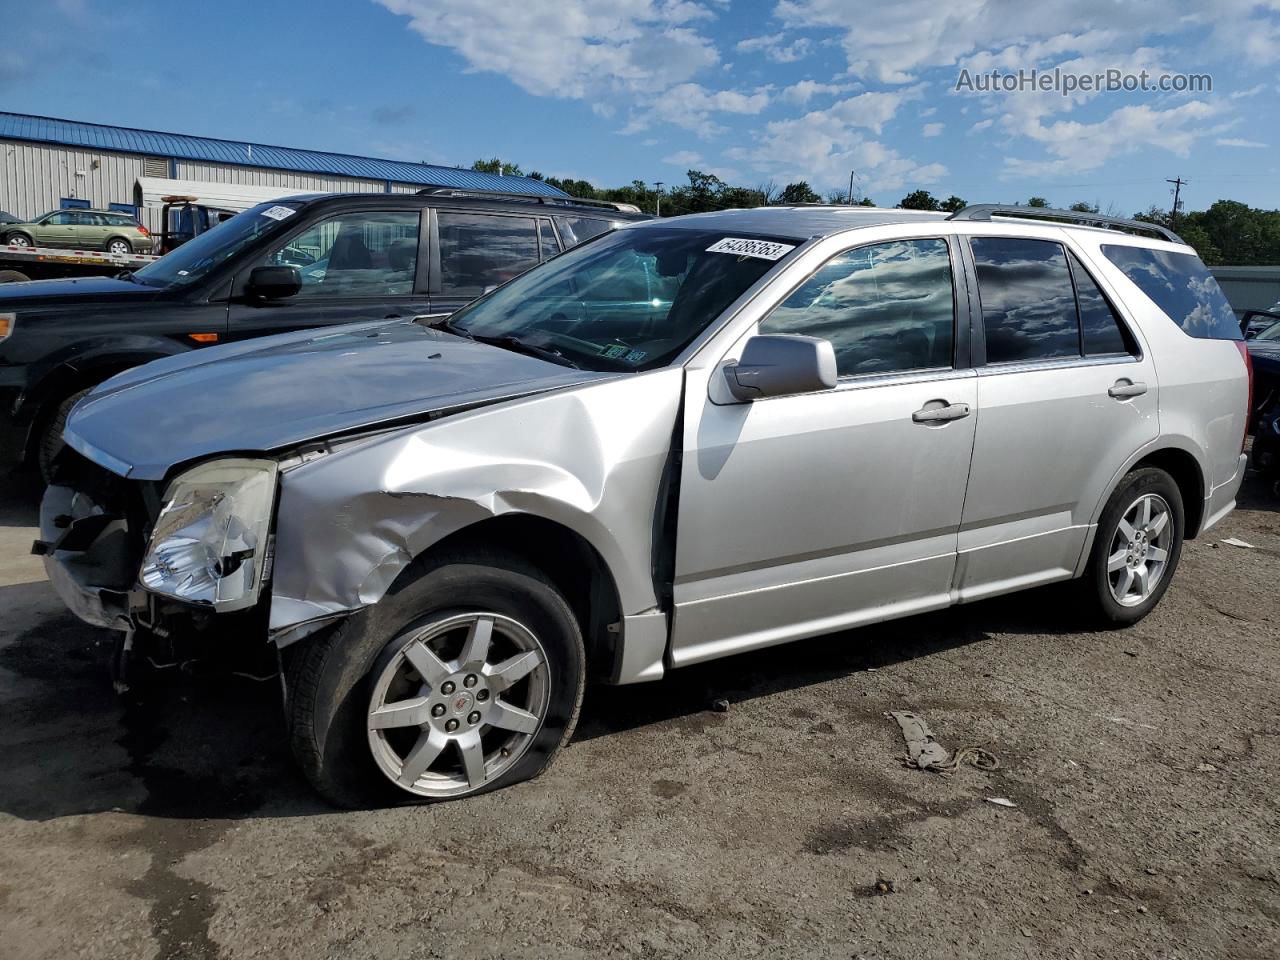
683, 158
1251, 92
574, 49
691, 105
932, 129
1238, 142
805, 90
773, 47
982, 125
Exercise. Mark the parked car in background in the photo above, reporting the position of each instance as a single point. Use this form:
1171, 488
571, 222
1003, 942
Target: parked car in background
1266, 447
283, 265
85, 229
1255, 321
1264, 353
682, 440
7, 218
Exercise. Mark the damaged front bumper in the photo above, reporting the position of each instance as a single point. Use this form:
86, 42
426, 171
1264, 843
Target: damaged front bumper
89, 557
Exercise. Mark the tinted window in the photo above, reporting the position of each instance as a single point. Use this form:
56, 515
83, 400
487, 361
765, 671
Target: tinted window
1028, 305
479, 250
118, 221
196, 258
884, 307
1101, 331
547, 239
357, 254
576, 230
1182, 287
61, 219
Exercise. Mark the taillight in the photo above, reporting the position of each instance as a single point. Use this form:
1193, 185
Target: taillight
144, 231
1248, 408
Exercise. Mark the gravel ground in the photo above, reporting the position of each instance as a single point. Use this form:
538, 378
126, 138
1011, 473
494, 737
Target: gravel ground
1143, 764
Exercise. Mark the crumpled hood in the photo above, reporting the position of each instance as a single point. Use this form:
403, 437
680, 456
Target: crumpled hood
277, 392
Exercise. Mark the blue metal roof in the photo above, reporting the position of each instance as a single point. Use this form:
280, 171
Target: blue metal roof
19, 126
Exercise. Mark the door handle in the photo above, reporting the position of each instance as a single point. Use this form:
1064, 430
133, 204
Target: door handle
952, 411
1124, 389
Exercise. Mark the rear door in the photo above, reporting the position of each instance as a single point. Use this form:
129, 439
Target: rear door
474, 251
1067, 394
355, 266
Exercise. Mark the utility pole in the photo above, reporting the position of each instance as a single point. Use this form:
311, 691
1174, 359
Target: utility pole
1177, 190
657, 211
849, 200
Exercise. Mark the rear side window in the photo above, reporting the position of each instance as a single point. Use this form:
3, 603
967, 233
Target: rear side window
480, 250
1181, 286
886, 307
1101, 332
1028, 302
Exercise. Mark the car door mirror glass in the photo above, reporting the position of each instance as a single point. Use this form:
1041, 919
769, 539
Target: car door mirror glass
778, 365
274, 283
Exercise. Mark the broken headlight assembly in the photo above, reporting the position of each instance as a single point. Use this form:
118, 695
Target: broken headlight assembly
209, 544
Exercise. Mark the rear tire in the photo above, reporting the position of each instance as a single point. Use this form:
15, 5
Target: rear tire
51, 435
1136, 547
339, 680
118, 245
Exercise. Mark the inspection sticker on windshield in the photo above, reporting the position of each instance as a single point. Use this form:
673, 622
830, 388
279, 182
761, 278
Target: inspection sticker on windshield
764, 249
279, 213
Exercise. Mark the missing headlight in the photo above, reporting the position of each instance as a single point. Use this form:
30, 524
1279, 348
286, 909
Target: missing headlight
209, 545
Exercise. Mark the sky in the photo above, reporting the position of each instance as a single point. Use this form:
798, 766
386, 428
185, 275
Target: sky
617, 90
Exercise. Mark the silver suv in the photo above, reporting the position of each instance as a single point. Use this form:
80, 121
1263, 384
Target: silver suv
680, 440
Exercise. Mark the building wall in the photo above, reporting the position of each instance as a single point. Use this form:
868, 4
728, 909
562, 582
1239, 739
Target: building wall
35, 177
1249, 288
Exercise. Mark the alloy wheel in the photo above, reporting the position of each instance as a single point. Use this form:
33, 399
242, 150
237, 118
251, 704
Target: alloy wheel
458, 703
1139, 554
19, 241
118, 246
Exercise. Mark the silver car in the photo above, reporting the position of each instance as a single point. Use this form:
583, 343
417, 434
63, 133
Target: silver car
681, 440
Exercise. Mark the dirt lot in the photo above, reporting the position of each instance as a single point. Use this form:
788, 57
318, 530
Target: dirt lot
1145, 765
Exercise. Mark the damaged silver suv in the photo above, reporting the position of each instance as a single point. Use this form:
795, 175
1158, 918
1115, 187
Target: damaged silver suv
681, 440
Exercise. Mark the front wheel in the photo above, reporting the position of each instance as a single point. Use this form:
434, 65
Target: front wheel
51, 443
1136, 547
18, 240
464, 679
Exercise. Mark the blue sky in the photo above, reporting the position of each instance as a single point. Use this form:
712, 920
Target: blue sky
616, 90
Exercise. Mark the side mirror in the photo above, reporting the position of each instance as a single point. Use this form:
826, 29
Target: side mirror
776, 365
274, 283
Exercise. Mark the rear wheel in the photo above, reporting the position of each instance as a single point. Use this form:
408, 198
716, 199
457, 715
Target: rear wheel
51, 435
119, 245
1137, 546
465, 679
13, 276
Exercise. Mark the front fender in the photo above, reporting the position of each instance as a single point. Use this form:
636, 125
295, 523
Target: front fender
590, 458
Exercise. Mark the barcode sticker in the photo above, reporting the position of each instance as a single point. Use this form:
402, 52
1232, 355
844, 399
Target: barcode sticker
279, 213
764, 249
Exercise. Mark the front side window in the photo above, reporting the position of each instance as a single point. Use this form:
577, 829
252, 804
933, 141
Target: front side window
629, 301
196, 258
1180, 285
1028, 303
482, 250
581, 229
371, 253
887, 307
63, 219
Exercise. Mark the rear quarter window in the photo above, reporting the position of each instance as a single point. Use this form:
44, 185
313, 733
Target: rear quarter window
1180, 285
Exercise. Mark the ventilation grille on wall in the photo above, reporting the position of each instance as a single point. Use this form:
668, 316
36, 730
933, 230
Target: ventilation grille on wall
155, 167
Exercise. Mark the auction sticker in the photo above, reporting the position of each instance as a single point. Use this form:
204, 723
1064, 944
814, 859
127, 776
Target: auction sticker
764, 249
280, 213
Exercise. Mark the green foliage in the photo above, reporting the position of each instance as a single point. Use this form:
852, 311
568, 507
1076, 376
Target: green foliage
953, 203
919, 200
1080, 206
497, 165
799, 192
1228, 232
1037, 202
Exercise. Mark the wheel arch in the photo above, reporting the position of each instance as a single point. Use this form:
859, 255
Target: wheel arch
1188, 475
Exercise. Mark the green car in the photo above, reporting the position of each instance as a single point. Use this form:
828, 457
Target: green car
82, 229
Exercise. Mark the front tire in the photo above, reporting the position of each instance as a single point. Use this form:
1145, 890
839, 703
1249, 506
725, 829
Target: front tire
51, 442
1136, 547
18, 240
465, 678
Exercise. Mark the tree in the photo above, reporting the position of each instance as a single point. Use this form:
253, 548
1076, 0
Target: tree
865, 202
919, 200
496, 165
1081, 206
953, 204
1037, 202
798, 192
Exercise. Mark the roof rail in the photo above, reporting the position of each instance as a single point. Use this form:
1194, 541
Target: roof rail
985, 211
526, 198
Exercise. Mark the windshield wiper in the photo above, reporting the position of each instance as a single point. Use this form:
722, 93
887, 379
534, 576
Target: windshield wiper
532, 349
444, 323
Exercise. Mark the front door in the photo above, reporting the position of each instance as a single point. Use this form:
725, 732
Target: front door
1067, 397
354, 266
805, 514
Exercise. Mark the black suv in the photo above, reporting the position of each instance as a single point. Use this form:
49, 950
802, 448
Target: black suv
284, 265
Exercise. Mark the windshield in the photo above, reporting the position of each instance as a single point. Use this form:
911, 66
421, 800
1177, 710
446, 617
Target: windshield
1271, 333
195, 258
630, 300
